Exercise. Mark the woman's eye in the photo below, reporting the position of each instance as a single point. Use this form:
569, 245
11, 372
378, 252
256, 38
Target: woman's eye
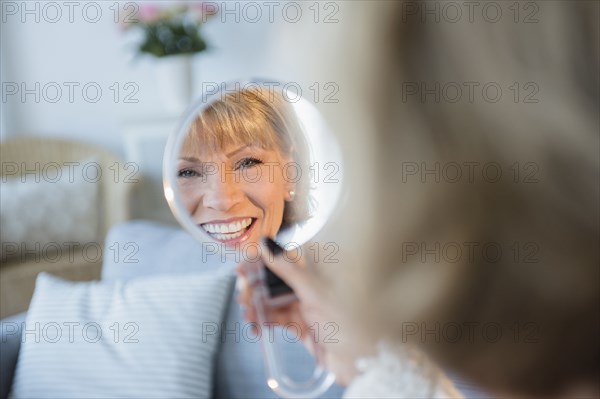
247, 163
185, 173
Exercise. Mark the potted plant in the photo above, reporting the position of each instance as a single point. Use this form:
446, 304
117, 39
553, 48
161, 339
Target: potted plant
172, 35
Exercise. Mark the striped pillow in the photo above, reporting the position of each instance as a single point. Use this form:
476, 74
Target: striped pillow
151, 337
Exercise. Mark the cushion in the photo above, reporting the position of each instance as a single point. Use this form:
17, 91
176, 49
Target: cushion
151, 337
142, 247
164, 249
50, 211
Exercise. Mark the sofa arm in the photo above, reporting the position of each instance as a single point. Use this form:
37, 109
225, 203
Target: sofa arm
10, 343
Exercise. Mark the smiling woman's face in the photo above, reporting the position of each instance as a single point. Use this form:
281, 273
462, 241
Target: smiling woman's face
237, 194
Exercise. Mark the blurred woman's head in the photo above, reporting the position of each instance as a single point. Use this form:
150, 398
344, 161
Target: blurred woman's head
488, 154
240, 167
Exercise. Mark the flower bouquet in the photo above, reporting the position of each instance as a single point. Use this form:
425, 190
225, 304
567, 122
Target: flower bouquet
171, 30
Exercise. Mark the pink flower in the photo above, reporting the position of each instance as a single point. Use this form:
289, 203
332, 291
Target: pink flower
203, 10
149, 13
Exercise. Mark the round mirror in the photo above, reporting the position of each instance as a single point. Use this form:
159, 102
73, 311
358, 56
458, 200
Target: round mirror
252, 159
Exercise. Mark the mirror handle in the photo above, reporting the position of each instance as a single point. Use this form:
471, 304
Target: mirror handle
321, 379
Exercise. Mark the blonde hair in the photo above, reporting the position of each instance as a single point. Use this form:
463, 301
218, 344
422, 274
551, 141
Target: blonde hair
554, 299
262, 117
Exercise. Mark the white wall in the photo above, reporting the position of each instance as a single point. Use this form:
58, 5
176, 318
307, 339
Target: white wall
85, 52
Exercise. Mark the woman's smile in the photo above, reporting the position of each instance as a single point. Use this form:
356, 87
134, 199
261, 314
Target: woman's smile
231, 231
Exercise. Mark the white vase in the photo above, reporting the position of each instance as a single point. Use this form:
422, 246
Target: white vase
174, 81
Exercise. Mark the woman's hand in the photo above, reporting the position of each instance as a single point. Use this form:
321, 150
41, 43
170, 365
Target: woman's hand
314, 313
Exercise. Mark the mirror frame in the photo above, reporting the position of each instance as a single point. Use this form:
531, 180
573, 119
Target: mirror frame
175, 142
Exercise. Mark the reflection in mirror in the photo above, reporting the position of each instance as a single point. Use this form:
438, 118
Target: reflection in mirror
251, 161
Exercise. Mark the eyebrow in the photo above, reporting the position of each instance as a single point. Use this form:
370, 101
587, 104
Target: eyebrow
190, 159
228, 155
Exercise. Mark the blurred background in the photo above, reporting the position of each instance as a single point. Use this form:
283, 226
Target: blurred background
100, 86
92, 89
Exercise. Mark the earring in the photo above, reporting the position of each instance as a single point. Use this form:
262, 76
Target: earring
292, 194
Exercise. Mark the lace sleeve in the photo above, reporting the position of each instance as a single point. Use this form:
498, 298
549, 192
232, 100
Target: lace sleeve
400, 372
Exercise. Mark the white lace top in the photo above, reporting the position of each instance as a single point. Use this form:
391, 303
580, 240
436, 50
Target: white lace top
400, 372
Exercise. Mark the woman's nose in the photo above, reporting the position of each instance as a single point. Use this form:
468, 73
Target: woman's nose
222, 194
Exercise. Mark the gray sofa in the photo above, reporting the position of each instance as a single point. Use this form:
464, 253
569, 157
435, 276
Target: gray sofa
151, 249
18, 272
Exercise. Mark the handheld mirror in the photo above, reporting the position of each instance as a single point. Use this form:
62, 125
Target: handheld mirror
254, 160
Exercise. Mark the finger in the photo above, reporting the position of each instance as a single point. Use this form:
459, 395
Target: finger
250, 314
286, 317
245, 297
240, 269
247, 275
241, 283
282, 316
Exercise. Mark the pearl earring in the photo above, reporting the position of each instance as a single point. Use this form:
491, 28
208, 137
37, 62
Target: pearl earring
292, 194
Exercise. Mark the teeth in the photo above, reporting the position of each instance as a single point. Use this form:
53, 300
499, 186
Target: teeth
225, 237
227, 231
